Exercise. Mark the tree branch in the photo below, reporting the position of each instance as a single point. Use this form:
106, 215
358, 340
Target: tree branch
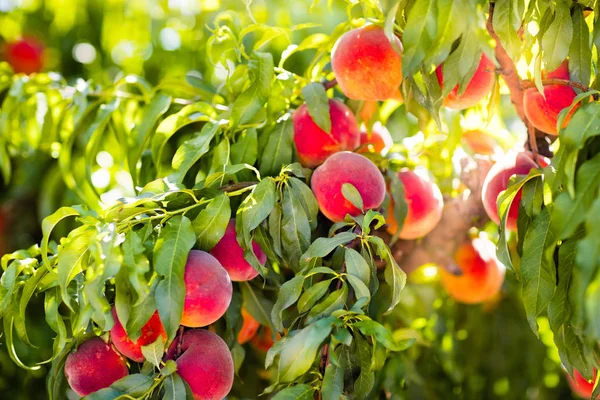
526, 84
330, 84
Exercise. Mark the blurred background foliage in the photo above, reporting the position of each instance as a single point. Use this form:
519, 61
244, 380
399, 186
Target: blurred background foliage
464, 352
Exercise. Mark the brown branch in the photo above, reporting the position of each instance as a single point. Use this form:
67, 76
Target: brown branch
330, 84
526, 84
236, 186
459, 215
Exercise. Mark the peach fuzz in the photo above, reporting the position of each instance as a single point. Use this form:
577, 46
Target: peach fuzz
543, 112
249, 327
205, 363
425, 204
132, 349
341, 168
94, 366
366, 65
480, 142
478, 87
208, 290
481, 275
581, 386
314, 145
231, 256
496, 181
377, 140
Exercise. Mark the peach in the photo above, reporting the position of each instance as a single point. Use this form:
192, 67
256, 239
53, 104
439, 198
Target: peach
425, 204
205, 363
367, 110
208, 290
132, 349
480, 142
249, 327
481, 273
581, 386
314, 145
231, 256
366, 65
377, 140
341, 168
25, 55
496, 181
543, 112
479, 86
94, 366
264, 340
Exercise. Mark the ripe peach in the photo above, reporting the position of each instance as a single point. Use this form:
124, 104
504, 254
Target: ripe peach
341, 168
231, 256
581, 386
543, 112
314, 145
366, 65
132, 349
496, 181
478, 87
205, 363
425, 204
25, 55
208, 290
378, 140
480, 142
94, 366
249, 327
482, 274
264, 340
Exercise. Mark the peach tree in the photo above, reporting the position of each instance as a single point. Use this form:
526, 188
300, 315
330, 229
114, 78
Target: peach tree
253, 217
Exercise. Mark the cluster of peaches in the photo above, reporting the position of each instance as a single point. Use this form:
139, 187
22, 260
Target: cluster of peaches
203, 359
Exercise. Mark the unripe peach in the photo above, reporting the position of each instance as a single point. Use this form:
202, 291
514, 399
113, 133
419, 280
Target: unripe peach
25, 55
94, 366
352, 168
478, 87
231, 256
208, 290
314, 145
480, 142
581, 386
205, 363
378, 139
543, 112
133, 349
366, 65
481, 274
496, 181
425, 205
249, 327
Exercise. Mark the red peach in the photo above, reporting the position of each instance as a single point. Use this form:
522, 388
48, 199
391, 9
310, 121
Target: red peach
543, 112
478, 87
341, 168
378, 140
480, 142
25, 55
94, 366
425, 205
231, 256
496, 181
366, 65
249, 327
263, 341
581, 386
208, 290
481, 274
367, 110
205, 363
314, 145
132, 349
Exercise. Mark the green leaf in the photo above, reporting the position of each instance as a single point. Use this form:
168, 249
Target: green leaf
313, 294
295, 228
371, 328
360, 289
352, 194
211, 223
335, 301
419, 34
559, 308
193, 149
449, 11
288, 295
253, 99
537, 269
580, 52
245, 150
5, 164
507, 20
171, 250
72, 258
394, 276
317, 104
133, 385
48, 225
333, 381
257, 305
174, 388
357, 266
297, 392
299, 352
155, 351
307, 199
366, 380
278, 148
323, 246
557, 39
258, 205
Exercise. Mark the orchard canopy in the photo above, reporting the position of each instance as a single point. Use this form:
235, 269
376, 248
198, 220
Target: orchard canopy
376, 199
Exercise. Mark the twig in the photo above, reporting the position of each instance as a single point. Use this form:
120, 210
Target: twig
330, 84
236, 186
526, 84
179, 342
